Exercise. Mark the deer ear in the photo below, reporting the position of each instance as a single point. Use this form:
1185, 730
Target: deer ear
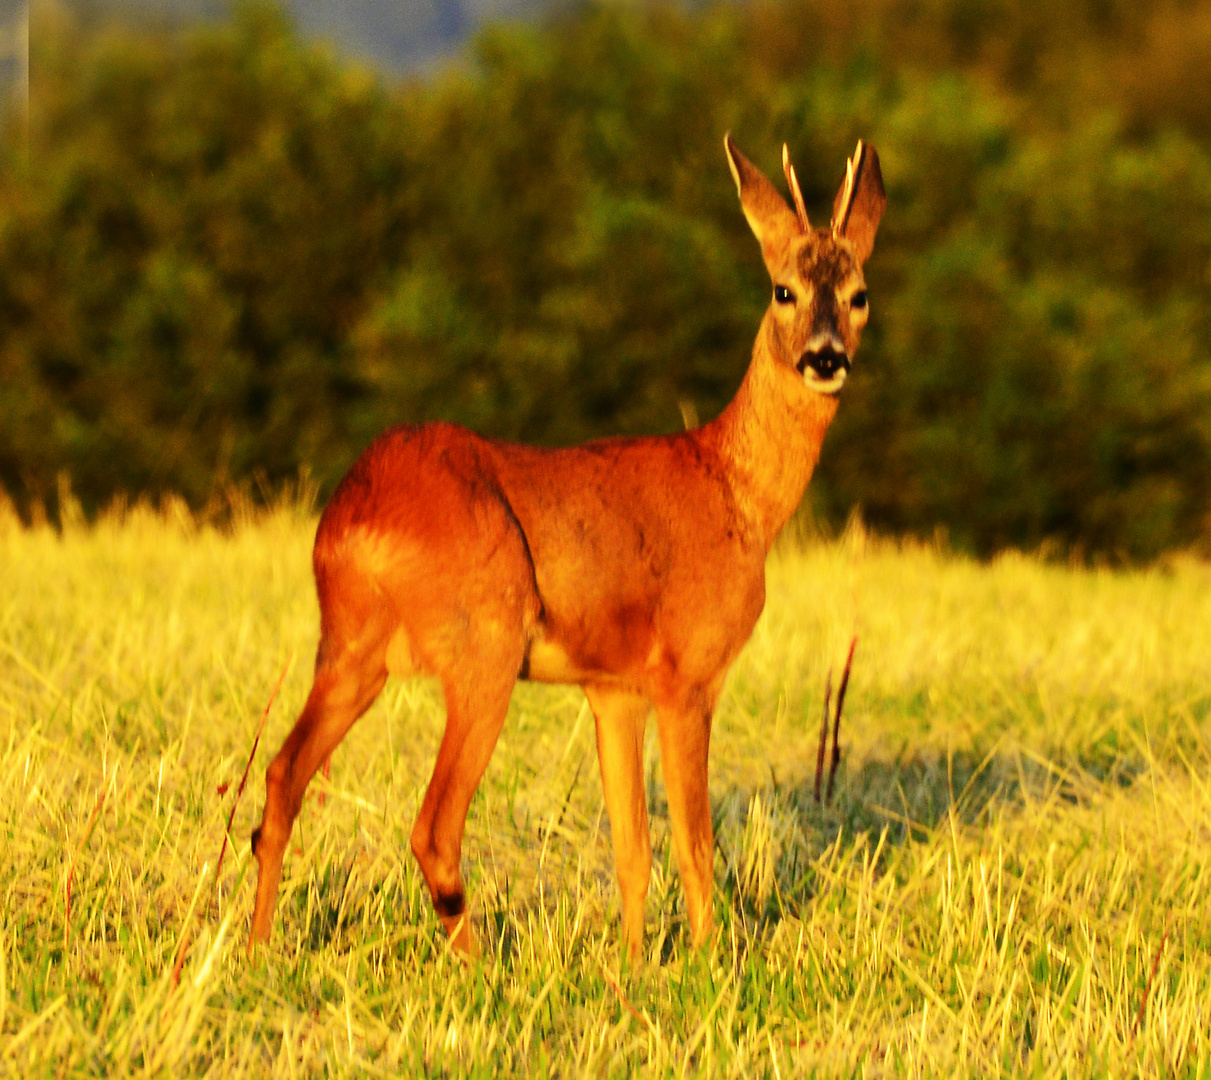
773, 222
860, 202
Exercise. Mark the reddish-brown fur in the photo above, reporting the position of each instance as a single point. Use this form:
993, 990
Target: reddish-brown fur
632, 566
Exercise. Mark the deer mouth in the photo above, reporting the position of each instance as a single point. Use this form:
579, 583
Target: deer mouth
824, 370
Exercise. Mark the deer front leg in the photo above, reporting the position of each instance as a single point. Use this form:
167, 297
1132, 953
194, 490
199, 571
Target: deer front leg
685, 734
621, 719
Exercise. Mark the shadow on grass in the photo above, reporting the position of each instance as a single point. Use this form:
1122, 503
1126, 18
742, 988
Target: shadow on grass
890, 803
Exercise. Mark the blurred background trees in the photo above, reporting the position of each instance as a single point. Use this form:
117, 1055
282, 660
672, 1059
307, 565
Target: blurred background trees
227, 252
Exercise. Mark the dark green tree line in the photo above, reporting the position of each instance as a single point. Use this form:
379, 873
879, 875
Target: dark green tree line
225, 252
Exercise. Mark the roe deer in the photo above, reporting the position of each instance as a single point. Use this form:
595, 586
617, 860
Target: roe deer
632, 566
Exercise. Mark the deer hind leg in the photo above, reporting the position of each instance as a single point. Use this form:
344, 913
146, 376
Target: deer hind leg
621, 719
345, 686
477, 687
685, 733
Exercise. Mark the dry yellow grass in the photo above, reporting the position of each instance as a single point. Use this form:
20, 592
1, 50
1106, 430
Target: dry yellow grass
1013, 878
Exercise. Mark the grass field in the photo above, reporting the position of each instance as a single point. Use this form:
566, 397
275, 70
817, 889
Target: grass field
1014, 877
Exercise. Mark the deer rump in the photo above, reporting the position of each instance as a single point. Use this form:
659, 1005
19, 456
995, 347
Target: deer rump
632, 566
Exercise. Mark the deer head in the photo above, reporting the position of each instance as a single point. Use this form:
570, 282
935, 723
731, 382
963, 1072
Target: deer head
819, 306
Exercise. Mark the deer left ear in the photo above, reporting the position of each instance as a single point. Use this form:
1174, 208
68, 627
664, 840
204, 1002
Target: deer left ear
859, 204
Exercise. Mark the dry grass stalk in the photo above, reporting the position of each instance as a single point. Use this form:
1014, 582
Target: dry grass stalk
822, 748
832, 769
187, 936
71, 872
1156, 963
823, 745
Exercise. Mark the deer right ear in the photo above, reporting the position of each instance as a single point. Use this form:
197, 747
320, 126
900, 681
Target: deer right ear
774, 224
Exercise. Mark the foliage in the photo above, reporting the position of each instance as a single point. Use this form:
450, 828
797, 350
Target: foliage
228, 253
185, 255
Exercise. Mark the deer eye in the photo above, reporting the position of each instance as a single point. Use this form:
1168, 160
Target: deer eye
858, 300
783, 295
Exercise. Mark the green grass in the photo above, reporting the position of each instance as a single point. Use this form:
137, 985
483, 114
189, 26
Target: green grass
1014, 877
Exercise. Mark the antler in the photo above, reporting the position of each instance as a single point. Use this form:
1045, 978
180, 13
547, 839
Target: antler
793, 183
845, 203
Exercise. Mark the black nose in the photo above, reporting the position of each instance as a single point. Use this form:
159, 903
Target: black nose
825, 362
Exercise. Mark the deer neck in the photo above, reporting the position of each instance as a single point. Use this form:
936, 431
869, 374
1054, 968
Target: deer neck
769, 437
